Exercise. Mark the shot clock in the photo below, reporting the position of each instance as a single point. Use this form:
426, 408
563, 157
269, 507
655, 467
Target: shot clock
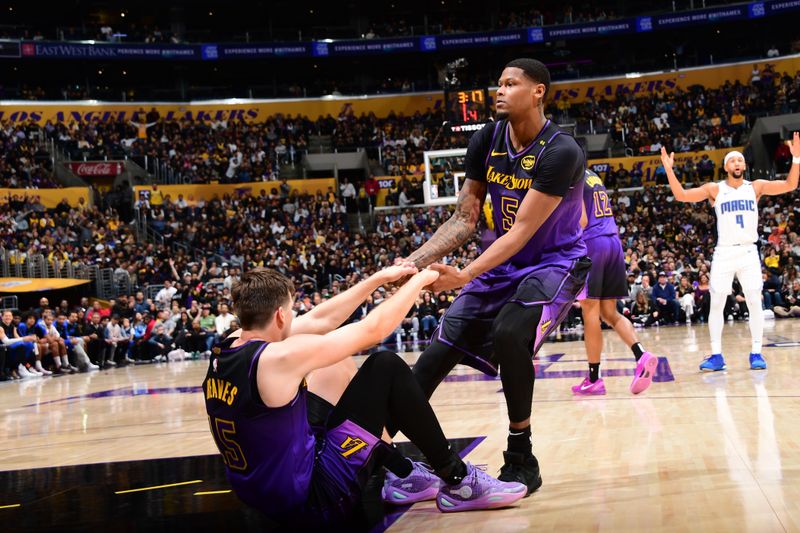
467, 109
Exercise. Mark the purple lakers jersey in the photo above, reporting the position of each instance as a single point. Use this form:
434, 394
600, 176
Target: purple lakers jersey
553, 163
268, 452
600, 217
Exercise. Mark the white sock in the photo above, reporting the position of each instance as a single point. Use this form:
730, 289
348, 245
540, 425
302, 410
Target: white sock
756, 320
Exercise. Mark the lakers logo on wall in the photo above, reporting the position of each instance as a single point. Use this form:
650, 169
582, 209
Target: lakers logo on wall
528, 161
351, 445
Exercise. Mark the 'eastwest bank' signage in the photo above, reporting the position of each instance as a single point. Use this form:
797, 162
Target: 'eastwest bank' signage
421, 43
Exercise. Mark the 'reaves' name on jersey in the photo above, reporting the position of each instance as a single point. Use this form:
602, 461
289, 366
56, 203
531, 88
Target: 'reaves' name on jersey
222, 390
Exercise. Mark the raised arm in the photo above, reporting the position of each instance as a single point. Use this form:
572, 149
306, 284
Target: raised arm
771, 188
284, 364
458, 228
175, 275
707, 191
331, 314
203, 268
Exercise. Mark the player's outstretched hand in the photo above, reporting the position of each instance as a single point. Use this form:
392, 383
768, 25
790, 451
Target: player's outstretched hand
427, 275
397, 272
794, 144
667, 160
449, 278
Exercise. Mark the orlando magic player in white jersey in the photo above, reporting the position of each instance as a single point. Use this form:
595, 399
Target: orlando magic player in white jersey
735, 202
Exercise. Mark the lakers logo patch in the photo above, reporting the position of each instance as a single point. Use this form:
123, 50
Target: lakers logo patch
528, 161
546, 325
351, 445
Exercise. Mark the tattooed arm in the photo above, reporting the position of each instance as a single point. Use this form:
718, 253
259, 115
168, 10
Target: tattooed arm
458, 228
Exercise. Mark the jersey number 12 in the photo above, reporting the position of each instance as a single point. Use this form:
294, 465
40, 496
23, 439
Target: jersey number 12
601, 207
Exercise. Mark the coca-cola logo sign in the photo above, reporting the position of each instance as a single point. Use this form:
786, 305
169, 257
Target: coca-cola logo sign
97, 168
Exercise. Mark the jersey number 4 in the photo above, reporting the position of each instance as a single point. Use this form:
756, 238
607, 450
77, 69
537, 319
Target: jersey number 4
601, 207
740, 220
224, 432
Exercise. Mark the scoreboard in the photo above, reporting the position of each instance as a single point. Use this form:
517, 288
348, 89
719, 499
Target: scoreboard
467, 109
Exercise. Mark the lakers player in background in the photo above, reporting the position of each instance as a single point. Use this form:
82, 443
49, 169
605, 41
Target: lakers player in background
735, 201
606, 284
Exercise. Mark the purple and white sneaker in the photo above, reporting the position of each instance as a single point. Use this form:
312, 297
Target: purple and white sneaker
420, 485
478, 490
644, 373
587, 388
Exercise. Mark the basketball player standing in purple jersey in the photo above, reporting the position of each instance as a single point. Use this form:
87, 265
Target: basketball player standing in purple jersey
521, 287
256, 395
606, 284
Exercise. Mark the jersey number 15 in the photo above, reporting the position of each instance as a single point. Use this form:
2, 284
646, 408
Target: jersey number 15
224, 432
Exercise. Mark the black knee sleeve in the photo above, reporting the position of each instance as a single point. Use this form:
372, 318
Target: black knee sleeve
514, 333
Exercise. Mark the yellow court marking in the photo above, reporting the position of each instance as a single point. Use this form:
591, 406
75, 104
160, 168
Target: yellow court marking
10, 506
210, 492
159, 486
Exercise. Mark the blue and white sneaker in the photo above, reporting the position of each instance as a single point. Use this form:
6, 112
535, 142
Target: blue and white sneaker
757, 362
713, 363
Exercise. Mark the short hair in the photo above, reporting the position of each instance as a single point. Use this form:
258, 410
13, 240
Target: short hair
533, 69
257, 294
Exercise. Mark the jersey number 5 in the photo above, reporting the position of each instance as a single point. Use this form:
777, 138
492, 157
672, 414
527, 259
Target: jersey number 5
740, 220
224, 432
508, 208
601, 207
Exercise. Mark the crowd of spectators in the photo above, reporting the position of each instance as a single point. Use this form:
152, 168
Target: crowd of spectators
203, 151
694, 119
24, 163
667, 246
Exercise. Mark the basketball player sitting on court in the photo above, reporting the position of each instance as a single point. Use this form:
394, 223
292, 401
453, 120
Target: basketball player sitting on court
258, 385
735, 202
605, 285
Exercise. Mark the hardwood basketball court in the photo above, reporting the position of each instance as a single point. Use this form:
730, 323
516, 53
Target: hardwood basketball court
129, 449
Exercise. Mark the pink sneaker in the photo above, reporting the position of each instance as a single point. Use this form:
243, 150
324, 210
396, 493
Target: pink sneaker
587, 388
645, 370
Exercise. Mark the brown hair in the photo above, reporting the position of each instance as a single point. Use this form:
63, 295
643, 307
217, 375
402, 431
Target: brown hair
257, 294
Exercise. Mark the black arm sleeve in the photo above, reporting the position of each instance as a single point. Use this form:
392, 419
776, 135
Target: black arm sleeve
479, 145
560, 168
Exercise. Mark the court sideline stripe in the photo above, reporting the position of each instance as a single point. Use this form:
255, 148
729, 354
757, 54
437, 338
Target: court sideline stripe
159, 486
